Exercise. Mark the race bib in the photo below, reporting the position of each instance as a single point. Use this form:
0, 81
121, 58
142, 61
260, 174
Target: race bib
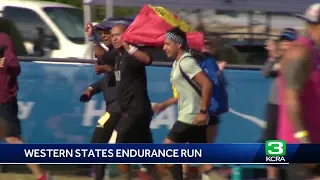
102, 121
117, 75
113, 138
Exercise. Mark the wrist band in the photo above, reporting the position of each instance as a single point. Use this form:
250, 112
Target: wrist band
276, 66
92, 38
301, 134
95, 42
132, 49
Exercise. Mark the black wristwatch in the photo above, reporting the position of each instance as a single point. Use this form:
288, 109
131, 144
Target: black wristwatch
203, 111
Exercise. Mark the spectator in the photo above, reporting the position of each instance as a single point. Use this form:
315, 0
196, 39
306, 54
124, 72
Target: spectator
9, 71
222, 51
271, 70
299, 89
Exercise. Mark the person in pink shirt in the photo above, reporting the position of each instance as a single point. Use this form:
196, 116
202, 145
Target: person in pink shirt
299, 88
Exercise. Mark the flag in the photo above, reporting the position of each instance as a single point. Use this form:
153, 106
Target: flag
151, 25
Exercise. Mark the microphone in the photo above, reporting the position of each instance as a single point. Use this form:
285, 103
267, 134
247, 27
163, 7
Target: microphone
3, 48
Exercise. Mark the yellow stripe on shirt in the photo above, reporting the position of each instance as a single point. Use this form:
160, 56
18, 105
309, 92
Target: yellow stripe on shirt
175, 92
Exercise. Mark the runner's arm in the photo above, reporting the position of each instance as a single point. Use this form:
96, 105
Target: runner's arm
296, 69
269, 69
141, 56
98, 49
195, 72
107, 60
169, 102
206, 89
105, 68
97, 86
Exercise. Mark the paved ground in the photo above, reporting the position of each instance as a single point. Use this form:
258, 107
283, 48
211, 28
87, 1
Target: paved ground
13, 176
65, 173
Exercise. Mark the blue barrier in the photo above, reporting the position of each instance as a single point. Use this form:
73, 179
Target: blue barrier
51, 112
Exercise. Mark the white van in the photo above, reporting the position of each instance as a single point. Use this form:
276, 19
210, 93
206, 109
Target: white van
62, 25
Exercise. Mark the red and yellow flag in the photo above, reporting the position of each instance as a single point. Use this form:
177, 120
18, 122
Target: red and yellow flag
151, 25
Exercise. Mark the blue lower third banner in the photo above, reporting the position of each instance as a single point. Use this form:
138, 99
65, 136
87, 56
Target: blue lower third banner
271, 152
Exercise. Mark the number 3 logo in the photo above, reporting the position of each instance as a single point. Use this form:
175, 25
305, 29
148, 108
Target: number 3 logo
275, 148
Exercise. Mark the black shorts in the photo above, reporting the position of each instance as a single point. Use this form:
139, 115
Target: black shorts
272, 122
102, 133
186, 133
214, 120
300, 172
9, 113
134, 129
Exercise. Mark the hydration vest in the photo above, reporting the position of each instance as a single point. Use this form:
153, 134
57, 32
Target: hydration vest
219, 103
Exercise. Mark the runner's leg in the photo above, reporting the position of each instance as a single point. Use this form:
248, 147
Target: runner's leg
135, 129
102, 134
178, 134
207, 170
176, 170
299, 172
271, 134
212, 131
9, 113
185, 169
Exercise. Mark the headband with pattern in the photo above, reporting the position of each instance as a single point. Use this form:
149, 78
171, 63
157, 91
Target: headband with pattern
175, 38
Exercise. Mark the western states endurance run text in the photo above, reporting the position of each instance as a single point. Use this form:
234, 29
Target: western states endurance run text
109, 153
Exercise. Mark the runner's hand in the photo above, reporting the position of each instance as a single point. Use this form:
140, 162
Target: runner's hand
2, 62
271, 47
89, 29
304, 140
222, 65
126, 46
86, 95
100, 69
157, 108
200, 119
88, 92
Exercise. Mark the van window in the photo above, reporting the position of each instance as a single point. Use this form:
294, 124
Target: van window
26, 21
69, 20
8, 27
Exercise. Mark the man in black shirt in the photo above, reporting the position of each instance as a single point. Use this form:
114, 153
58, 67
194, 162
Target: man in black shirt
109, 120
105, 60
131, 93
131, 82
